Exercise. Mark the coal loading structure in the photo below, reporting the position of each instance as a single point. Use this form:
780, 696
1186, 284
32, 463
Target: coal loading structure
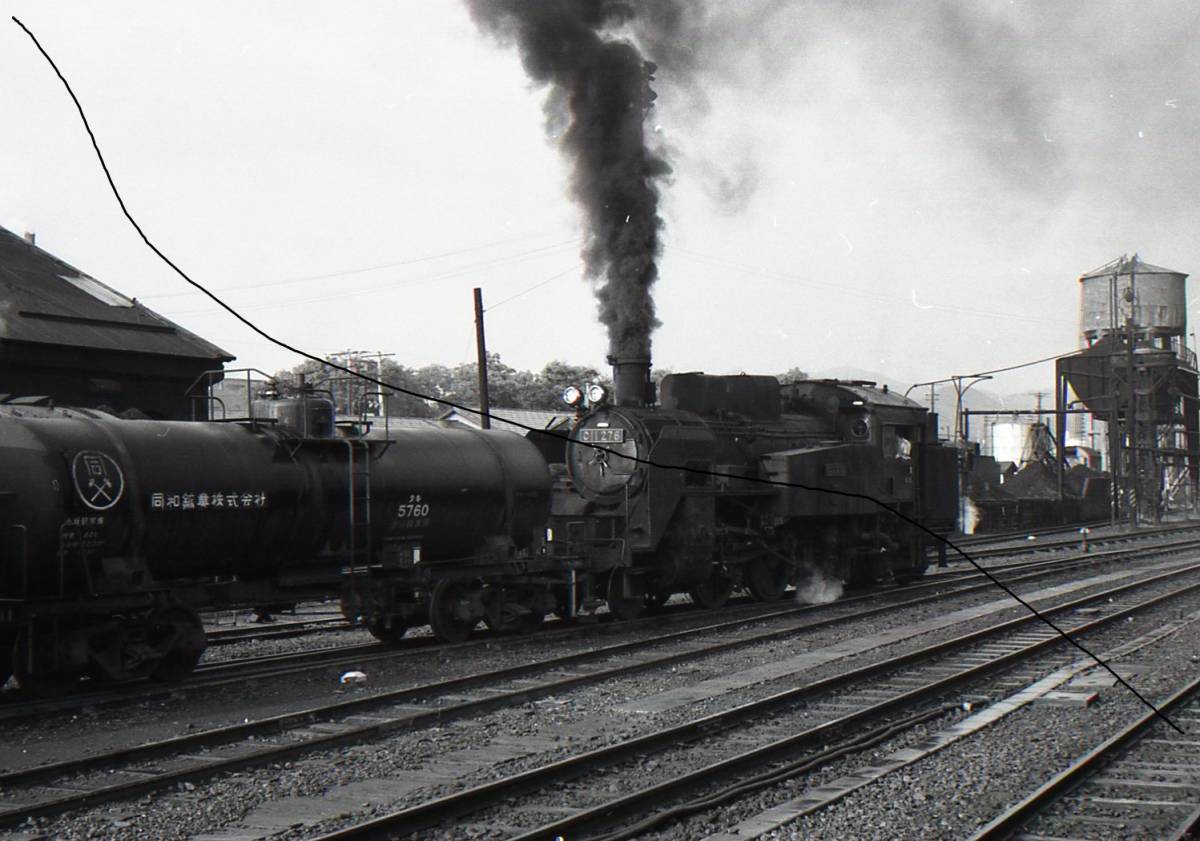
1137, 376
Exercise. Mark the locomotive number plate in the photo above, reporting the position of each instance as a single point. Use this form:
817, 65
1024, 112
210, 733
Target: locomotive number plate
591, 435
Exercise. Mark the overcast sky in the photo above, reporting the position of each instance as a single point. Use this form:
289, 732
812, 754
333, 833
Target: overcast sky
909, 188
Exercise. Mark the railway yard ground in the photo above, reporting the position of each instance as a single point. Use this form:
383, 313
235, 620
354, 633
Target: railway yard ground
941, 709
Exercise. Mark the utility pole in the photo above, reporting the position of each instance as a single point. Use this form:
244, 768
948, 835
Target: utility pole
485, 422
351, 395
1133, 487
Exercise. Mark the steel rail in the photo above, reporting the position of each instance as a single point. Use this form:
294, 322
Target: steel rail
1018, 534
1006, 824
1122, 537
410, 720
468, 801
756, 758
281, 630
277, 665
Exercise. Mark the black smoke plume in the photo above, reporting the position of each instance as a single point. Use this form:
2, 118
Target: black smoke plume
600, 90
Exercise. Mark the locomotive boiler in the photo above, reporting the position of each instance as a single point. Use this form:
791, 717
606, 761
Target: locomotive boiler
113, 532
738, 481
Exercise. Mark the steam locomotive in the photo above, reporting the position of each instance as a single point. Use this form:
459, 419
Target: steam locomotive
114, 532
707, 522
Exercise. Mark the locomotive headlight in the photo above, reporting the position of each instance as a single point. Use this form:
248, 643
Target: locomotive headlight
571, 395
596, 394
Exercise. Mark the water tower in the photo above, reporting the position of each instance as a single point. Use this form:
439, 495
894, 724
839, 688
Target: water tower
1136, 374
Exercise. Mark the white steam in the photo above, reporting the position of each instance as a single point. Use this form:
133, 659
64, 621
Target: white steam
970, 517
819, 589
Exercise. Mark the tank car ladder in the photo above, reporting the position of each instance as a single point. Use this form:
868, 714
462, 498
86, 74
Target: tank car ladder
359, 465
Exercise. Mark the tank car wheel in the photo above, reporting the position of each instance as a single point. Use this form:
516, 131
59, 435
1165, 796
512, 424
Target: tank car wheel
508, 619
36, 678
714, 592
444, 617
389, 633
767, 580
186, 647
620, 604
526, 623
6, 656
656, 599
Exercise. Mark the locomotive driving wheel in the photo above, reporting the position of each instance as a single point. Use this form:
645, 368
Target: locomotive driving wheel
767, 579
625, 601
449, 611
6, 655
714, 592
390, 632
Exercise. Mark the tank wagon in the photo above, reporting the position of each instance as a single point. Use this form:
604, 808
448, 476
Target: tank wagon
114, 532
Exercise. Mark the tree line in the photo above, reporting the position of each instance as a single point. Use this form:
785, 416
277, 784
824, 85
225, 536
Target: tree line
508, 387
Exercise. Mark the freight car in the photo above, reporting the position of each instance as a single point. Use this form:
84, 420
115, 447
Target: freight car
114, 532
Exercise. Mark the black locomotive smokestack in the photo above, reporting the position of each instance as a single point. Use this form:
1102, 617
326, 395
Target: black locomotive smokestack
599, 96
631, 380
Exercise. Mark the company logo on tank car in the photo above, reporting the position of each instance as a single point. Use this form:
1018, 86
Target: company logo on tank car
98, 479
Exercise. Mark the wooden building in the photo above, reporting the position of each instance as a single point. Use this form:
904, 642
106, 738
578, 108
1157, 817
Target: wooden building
68, 337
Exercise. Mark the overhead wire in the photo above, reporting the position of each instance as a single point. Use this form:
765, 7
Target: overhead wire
341, 294
859, 293
538, 285
650, 463
363, 269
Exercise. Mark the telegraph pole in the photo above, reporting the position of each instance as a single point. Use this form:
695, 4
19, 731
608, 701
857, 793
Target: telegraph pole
485, 422
353, 395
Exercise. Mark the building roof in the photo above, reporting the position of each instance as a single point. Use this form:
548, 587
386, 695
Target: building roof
530, 418
1124, 265
46, 301
395, 422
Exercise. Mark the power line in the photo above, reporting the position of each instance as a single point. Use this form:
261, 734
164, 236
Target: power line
362, 270
988, 374
859, 293
639, 460
539, 285
417, 281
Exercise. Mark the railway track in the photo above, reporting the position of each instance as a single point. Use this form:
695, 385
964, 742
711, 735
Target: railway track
777, 732
127, 773
1022, 534
279, 630
362, 655
985, 549
1144, 782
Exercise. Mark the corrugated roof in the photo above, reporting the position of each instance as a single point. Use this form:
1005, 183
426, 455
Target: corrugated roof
1128, 265
46, 301
529, 417
408, 423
